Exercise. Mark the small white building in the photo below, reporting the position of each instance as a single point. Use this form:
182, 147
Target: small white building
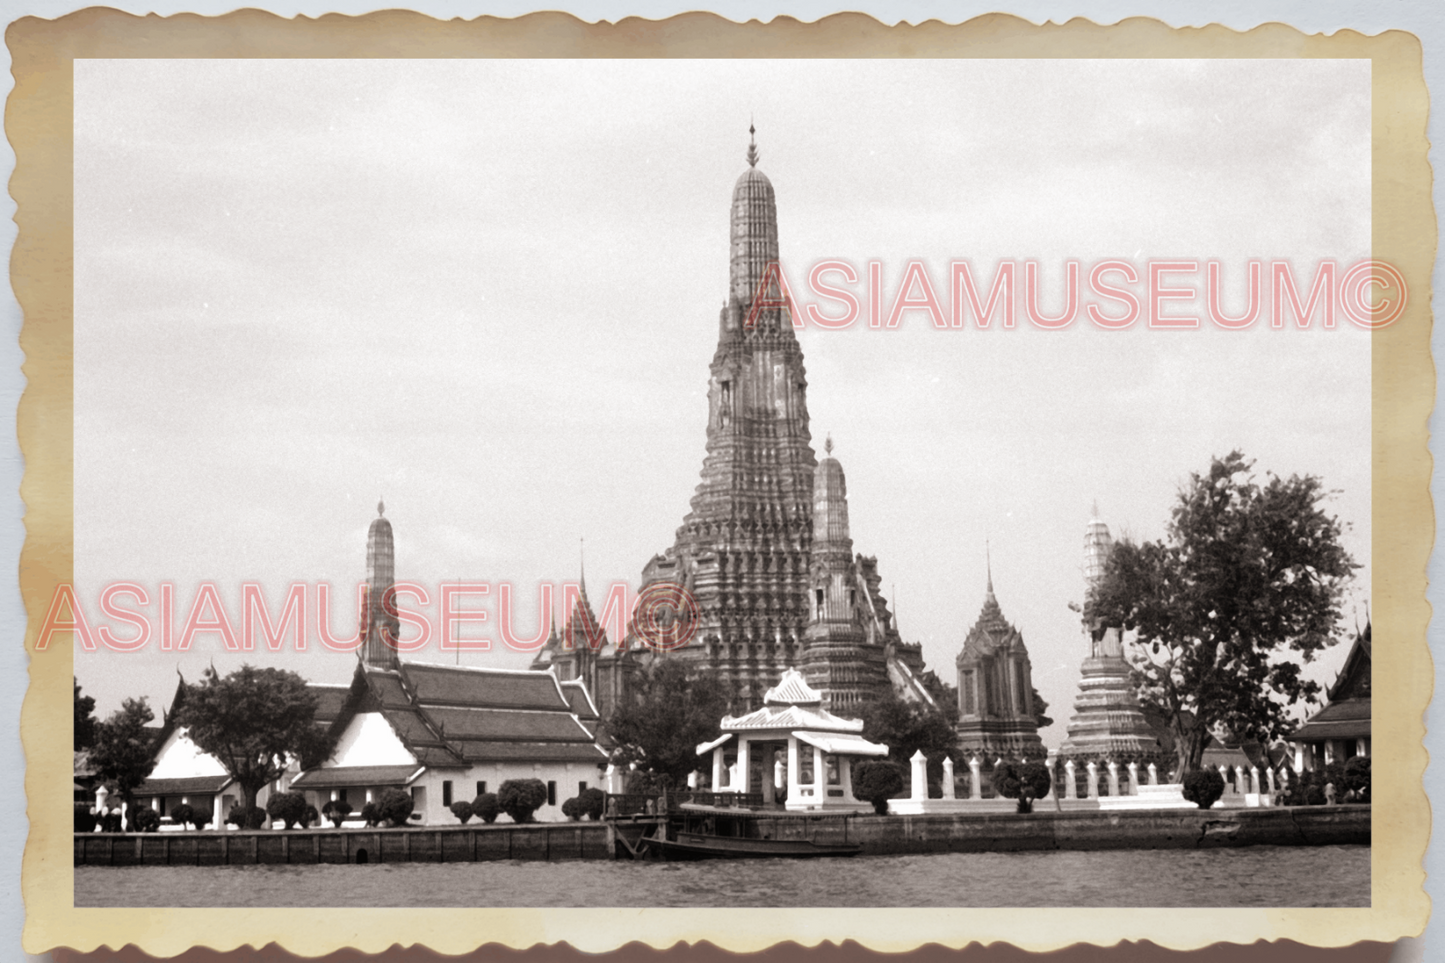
791, 743
446, 734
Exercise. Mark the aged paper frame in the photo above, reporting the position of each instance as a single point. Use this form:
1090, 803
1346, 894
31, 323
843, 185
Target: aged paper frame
38, 123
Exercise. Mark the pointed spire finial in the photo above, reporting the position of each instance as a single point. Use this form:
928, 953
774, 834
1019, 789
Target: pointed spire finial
582, 554
988, 562
752, 145
828, 445
380, 508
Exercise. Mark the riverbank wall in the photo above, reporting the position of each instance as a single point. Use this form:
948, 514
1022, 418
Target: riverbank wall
879, 835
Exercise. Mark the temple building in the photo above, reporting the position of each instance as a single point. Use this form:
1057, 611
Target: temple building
765, 550
446, 733
1107, 720
582, 654
1341, 730
996, 714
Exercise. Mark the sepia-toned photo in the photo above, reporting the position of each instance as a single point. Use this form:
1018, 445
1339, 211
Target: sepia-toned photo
692, 485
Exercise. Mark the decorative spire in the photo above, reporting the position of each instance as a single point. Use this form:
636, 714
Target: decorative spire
988, 564
380, 507
828, 445
582, 567
752, 145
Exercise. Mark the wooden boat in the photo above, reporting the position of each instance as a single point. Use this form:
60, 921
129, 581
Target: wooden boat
694, 831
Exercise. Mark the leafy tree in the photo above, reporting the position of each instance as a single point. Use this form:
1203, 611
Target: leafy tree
486, 808
253, 817
394, 806
370, 814
255, 721
592, 801
571, 810
145, 820
183, 815
289, 807
520, 798
1041, 709
909, 727
876, 782
336, 810
668, 717
1357, 775
462, 809
124, 749
1203, 787
85, 722
1248, 574
1022, 781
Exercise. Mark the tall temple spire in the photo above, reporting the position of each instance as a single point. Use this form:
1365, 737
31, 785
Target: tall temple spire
380, 629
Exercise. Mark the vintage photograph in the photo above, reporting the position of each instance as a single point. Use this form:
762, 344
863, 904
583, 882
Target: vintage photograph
723, 483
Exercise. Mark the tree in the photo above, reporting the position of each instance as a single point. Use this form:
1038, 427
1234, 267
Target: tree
571, 809
462, 809
394, 806
337, 810
668, 717
909, 727
1248, 574
1022, 781
876, 782
1203, 787
592, 801
1041, 709
124, 749
183, 815
520, 798
289, 807
485, 807
84, 733
145, 820
255, 722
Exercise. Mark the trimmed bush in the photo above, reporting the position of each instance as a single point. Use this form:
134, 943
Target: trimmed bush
591, 802
571, 809
336, 810
486, 808
876, 782
289, 807
370, 814
111, 821
462, 810
1022, 781
313, 818
84, 818
394, 806
1357, 777
520, 798
183, 815
1203, 787
239, 817
146, 820
200, 818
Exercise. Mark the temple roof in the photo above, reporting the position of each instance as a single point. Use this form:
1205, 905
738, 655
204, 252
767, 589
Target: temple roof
991, 631
792, 690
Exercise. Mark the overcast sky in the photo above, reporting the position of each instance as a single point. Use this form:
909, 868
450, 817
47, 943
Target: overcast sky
488, 292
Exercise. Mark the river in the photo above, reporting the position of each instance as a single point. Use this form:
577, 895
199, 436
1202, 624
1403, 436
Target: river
1284, 876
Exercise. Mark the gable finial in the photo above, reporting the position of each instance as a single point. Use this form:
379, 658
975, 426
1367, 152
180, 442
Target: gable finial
828, 444
380, 507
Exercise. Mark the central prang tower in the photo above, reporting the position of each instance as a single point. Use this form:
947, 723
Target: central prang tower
743, 550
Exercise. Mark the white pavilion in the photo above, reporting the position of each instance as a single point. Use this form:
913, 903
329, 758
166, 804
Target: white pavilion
792, 742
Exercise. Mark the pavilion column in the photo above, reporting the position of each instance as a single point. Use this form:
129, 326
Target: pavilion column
845, 774
717, 768
793, 785
744, 767
216, 815
820, 777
